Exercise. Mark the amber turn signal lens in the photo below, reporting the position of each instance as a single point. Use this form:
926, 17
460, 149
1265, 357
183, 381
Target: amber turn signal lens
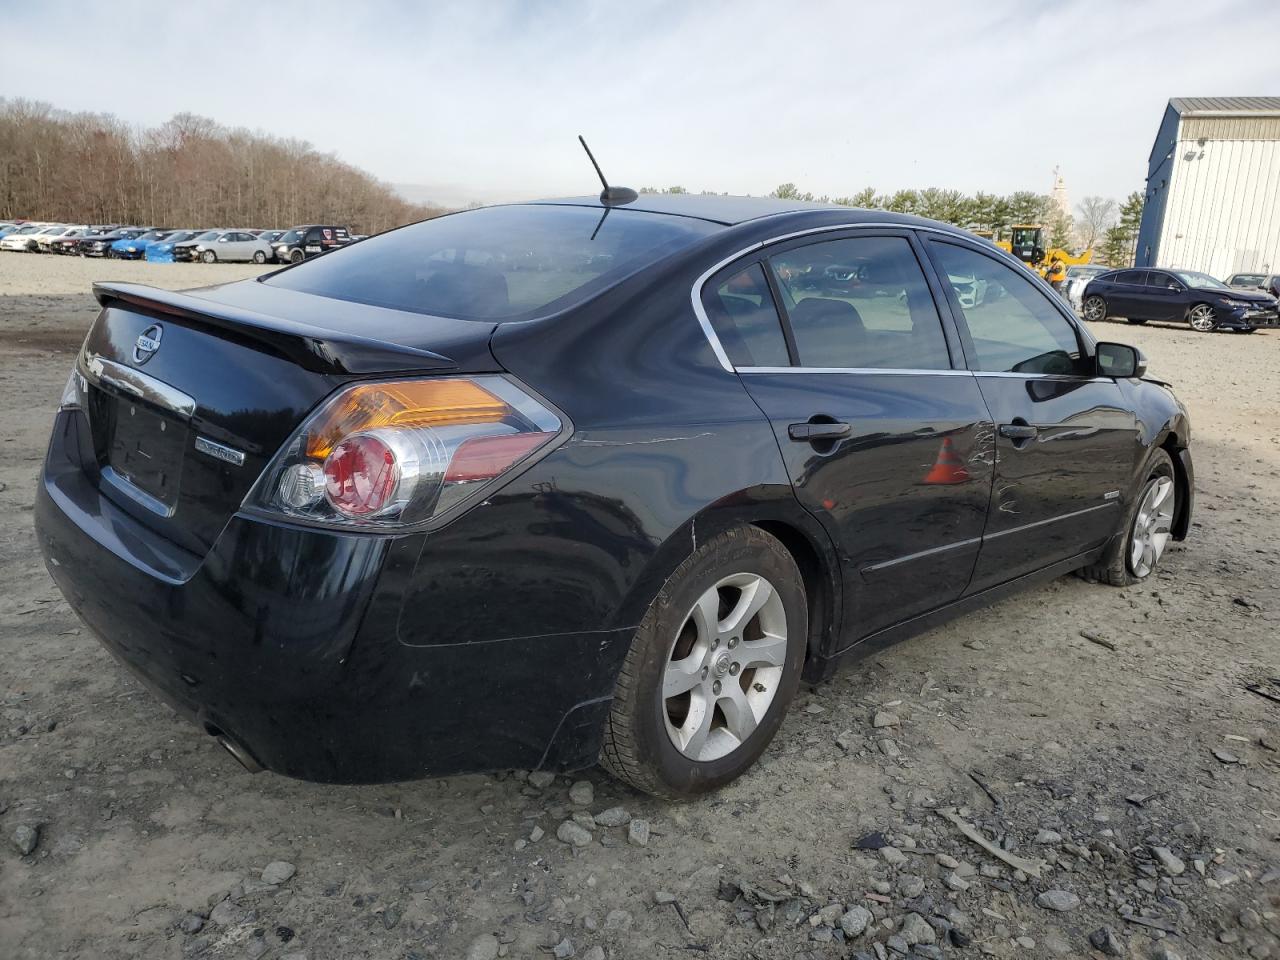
403, 403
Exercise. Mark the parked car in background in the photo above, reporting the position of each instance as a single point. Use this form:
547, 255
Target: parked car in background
1078, 276
161, 251
69, 242
101, 246
1178, 296
7, 228
288, 503
271, 236
133, 248
185, 251
310, 240
44, 241
26, 238
229, 246
1266, 282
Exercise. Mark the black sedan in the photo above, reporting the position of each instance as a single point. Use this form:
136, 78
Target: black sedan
1179, 296
446, 500
100, 245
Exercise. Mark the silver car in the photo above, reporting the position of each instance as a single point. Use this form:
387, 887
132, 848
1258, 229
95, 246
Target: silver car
1077, 279
232, 245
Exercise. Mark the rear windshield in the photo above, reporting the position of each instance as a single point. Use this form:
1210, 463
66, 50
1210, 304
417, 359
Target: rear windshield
495, 263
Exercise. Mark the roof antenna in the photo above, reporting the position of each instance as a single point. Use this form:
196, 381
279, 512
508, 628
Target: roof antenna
609, 196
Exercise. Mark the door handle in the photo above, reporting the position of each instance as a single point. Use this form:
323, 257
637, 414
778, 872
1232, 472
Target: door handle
817, 432
1019, 431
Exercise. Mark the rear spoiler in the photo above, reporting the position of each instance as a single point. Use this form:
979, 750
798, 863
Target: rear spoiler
311, 347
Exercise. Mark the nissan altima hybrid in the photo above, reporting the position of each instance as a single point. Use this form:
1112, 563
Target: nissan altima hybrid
545, 485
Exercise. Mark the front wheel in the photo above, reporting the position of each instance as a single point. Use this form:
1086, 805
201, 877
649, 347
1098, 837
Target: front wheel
208, 256
711, 669
1094, 308
1201, 318
259, 257
296, 256
1133, 555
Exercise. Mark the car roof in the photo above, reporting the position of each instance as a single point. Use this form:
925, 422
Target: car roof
730, 211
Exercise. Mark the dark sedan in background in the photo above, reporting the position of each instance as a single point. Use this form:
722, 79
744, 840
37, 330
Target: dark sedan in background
539, 485
1178, 296
101, 245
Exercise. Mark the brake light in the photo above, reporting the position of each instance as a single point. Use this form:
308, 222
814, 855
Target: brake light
403, 453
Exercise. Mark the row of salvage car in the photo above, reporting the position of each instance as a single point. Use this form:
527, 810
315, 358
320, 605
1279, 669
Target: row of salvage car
167, 245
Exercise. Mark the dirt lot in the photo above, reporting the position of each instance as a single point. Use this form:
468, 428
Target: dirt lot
1137, 771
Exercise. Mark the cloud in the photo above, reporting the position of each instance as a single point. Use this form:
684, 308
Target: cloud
737, 96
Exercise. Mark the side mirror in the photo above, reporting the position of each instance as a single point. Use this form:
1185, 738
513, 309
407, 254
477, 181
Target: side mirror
1120, 360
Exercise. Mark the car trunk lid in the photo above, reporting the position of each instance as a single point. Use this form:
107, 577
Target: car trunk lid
190, 395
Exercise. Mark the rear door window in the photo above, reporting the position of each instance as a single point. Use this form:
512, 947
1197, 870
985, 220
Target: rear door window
746, 320
861, 302
1133, 277
496, 263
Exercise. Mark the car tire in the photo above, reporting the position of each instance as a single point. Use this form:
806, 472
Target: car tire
208, 256
1094, 308
296, 256
1201, 318
1136, 321
679, 746
1134, 553
259, 257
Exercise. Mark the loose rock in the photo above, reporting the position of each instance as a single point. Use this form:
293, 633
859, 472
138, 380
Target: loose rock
1060, 900
25, 838
1171, 864
884, 719
277, 872
541, 779
1104, 940
613, 817
563, 950
916, 929
893, 856
573, 833
855, 921
582, 793
638, 833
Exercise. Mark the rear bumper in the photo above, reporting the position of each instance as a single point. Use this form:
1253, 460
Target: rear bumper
290, 642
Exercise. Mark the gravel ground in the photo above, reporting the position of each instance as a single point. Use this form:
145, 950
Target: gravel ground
1100, 742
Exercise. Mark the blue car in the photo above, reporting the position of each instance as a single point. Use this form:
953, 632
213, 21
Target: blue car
161, 250
133, 248
127, 237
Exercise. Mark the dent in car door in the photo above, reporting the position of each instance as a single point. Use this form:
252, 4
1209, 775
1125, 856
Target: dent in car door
1066, 442
885, 442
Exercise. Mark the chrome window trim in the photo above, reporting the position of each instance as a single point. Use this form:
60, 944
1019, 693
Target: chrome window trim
892, 371
138, 384
717, 348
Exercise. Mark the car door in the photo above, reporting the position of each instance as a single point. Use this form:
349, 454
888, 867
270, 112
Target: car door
1126, 296
1066, 441
313, 242
1165, 296
887, 441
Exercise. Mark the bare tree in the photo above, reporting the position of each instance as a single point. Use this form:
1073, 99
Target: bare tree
1094, 217
188, 172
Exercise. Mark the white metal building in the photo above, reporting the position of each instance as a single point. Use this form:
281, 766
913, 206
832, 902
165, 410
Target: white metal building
1213, 187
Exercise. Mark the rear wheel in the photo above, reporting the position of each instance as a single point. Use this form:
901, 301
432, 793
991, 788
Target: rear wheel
1201, 318
259, 257
1094, 308
208, 256
1134, 554
711, 669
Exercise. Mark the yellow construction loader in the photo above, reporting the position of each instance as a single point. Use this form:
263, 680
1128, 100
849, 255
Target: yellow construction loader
1026, 242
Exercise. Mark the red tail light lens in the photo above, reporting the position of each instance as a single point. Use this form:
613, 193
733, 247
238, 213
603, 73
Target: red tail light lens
404, 453
360, 476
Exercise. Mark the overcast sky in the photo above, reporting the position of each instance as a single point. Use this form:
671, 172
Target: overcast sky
483, 100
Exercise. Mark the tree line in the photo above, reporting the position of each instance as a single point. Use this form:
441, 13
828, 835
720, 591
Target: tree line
1099, 224
188, 172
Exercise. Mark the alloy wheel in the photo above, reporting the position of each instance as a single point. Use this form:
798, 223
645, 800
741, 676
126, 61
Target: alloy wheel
1202, 318
1095, 309
1151, 527
724, 667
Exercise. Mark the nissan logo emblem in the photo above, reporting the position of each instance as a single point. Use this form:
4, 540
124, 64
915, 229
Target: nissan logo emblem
147, 344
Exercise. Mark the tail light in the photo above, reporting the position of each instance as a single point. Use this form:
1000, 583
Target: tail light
403, 453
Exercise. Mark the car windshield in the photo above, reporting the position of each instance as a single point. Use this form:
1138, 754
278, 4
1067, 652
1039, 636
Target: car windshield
496, 263
179, 236
291, 236
1086, 271
209, 235
1193, 278
1250, 279
55, 231
152, 235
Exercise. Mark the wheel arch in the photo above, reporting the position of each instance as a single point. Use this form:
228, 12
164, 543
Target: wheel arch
775, 511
